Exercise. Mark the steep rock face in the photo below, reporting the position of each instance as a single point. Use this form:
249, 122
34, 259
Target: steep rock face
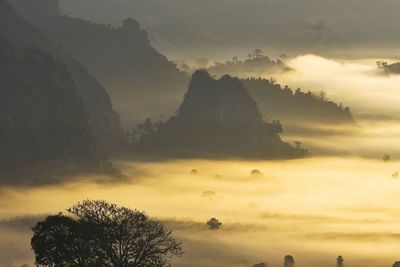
140, 80
42, 116
219, 105
104, 120
218, 117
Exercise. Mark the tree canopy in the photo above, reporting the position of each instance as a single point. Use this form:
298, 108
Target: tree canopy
97, 233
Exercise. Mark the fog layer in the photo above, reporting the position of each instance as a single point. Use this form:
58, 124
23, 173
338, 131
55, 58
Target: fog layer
316, 206
356, 83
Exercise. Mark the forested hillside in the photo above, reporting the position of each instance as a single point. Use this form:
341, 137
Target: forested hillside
216, 117
140, 80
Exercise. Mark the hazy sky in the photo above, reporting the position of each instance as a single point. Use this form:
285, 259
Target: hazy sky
211, 28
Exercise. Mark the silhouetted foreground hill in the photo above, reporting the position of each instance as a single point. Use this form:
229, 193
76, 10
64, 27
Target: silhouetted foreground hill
42, 116
121, 58
51, 110
216, 117
103, 119
295, 106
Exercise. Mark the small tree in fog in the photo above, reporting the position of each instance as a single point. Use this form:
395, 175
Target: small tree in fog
339, 261
103, 234
214, 224
386, 157
383, 65
256, 172
288, 261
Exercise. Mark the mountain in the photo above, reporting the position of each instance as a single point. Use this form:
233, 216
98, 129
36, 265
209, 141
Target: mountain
295, 106
104, 120
216, 117
121, 58
196, 27
42, 115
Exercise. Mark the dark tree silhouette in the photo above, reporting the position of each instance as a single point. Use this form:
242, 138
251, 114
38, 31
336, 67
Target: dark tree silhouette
396, 264
383, 65
288, 261
256, 63
386, 157
214, 224
62, 241
103, 234
339, 261
256, 172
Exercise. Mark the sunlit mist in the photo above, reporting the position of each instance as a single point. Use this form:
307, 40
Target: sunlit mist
317, 206
356, 83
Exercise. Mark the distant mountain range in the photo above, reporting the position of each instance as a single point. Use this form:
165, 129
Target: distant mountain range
144, 83
215, 28
55, 109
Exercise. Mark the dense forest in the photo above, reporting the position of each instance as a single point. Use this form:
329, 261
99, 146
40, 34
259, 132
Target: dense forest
140, 80
257, 64
216, 117
295, 106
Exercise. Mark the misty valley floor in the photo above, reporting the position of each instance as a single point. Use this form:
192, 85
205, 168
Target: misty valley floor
314, 208
78, 77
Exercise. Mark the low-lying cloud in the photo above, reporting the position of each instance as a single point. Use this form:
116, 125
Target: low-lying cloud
356, 83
